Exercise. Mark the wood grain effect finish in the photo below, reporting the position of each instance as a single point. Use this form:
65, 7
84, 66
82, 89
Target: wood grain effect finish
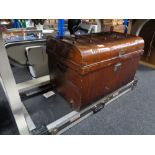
89, 67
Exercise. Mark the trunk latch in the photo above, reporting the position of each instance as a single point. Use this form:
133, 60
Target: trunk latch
117, 67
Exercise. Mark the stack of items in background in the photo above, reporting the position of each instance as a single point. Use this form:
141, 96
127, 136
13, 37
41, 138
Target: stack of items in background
89, 21
113, 25
51, 23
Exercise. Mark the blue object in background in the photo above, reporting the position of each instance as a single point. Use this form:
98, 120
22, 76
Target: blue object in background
15, 23
18, 24
126, 21
19, 38
61, 29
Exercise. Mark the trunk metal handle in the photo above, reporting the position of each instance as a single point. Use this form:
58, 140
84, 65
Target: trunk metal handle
121, 53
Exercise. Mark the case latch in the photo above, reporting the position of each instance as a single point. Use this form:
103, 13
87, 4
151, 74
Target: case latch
117, 67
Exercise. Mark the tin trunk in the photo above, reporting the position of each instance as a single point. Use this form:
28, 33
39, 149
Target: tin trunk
88, 67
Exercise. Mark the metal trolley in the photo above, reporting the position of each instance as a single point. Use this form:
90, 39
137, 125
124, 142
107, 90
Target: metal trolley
22, 118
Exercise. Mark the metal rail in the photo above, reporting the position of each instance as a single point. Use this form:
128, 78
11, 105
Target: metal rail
11, 91
73, 118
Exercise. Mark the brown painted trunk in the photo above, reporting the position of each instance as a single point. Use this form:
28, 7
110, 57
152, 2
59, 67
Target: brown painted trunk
88, 67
